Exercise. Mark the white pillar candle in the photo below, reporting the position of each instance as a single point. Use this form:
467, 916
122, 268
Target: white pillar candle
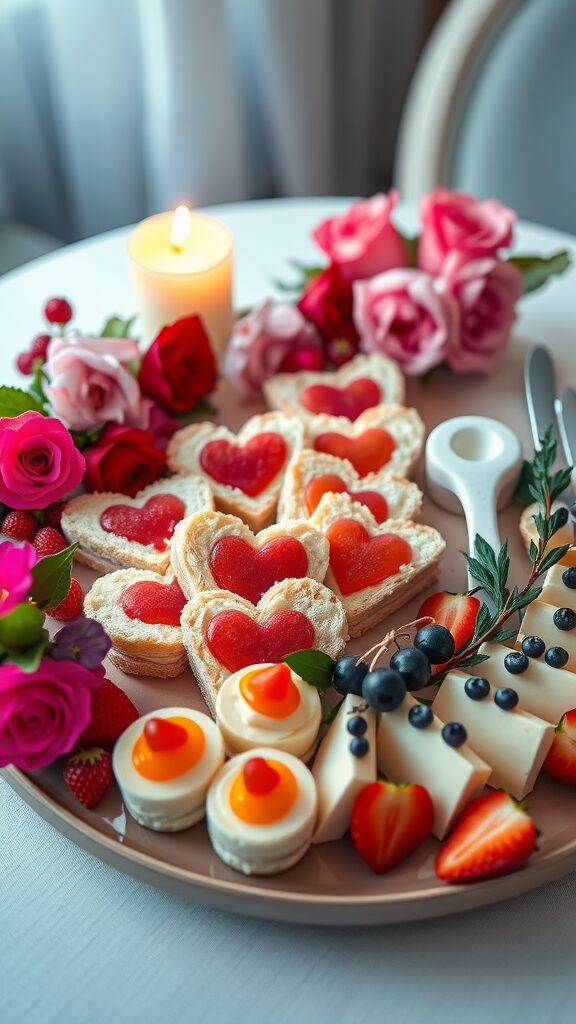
181, 263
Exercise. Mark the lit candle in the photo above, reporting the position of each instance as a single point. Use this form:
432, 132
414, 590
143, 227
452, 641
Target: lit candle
181, 263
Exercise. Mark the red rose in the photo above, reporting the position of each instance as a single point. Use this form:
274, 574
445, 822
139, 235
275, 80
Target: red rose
179, 367
125, 459
327, 303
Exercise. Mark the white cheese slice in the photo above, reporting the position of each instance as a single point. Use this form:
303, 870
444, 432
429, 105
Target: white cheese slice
339, 775
514, 743
453, 776
543, 691
555, 590
539, 621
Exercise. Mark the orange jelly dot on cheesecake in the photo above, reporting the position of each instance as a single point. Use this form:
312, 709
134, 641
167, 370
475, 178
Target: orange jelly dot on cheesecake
263, 791
271, 691
166, 753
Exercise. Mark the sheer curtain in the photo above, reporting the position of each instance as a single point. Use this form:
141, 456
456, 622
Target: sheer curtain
110, 109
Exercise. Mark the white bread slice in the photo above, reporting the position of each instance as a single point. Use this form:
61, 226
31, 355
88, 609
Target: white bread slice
184, 454
285, 389
314, 600
404, 499
106, 551
367, 607
195, 537
138, 648
528, 532
404, 425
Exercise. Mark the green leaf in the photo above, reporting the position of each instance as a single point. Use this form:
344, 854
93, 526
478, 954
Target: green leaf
30, 658
552, 557
522, 494
329, 716
502, 636
411, 247
314, 667
536, 270
524, 598
83, 438
533, 552
51, 578
474, 659
483, 622
116, 327
14, 401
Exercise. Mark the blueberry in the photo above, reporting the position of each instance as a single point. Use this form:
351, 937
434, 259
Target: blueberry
506, 698
556, 657
562, 516
413, 666
348, 674
420, 716
359, 747
516, 662
564, 618
436, 642
357, 725
533, 646
454, 734
384, 689
477, 687
569, 577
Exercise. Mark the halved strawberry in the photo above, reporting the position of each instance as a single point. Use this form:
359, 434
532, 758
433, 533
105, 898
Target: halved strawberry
458, 612
112, 713
494, 836
389, 821
561, 760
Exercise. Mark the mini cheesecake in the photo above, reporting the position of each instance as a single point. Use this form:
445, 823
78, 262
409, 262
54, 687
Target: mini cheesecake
164, 763
269, 706
261, 811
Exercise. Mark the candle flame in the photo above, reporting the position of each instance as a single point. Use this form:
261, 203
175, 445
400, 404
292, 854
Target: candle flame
180, 227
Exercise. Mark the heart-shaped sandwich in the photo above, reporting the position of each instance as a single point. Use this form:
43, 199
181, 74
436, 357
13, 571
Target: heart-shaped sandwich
244, 471
214, 551
388, 437
114, 531
364, 382
224, 633
310, 475
140, 610
375, 568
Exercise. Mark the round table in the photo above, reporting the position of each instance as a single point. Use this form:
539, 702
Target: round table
82, 942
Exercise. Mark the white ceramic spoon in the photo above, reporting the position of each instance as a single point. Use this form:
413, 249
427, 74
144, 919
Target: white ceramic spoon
472, 466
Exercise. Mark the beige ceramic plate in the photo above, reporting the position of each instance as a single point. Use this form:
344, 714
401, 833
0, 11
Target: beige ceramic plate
331, 885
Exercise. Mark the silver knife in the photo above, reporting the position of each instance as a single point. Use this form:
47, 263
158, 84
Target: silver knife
540, 385
566, 413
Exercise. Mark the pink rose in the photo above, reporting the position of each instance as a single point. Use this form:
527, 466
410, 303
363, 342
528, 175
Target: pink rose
455, 221
363, 241
16, 561
486, 291
262, 341
90, 382
43, 713
156, 421
407, 315
39, 462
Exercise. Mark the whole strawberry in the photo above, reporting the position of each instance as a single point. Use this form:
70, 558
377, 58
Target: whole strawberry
48, 541
112, 713
71, 606
88, 775
20, 525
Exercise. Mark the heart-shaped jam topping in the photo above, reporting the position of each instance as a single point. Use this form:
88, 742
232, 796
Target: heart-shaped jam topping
368, 452
359, 560
250, 466
154, 603
236, 640
154, 523
250, 572
362, 393
331, 483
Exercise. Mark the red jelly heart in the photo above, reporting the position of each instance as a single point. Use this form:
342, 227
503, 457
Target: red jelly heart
154, 603
154, 523
161, 734
360, 394
359, 560
250, 466
250, 572
260, 778
333, 484
368, 452
236, 640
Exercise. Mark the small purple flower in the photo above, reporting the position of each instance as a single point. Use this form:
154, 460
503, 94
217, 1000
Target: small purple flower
84, 641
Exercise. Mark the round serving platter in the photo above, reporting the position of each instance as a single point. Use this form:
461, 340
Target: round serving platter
331, 885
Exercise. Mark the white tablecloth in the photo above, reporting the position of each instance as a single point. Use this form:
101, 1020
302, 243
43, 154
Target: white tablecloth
83, 944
